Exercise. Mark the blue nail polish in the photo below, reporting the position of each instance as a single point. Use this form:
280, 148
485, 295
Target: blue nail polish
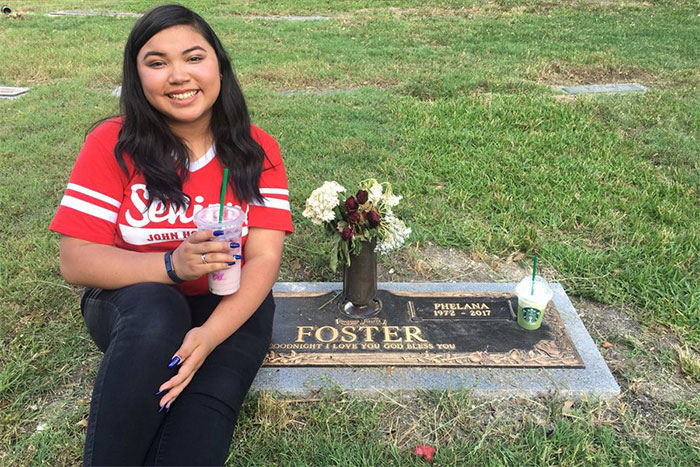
231, 263
167, 409
161, 392
238, 256
161, 408
234, 245
174, 361
218, 233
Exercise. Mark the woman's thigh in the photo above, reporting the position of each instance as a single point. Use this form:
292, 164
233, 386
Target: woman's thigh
139, 327
141, 310
200, 424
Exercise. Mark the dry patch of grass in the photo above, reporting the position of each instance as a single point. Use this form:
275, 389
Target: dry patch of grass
481, 10
650, 366
296, 76
503, 9
689, 363
278, 414
563, 74
431, 263
565, 98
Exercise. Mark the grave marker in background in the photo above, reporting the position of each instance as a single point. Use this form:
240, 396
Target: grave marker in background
8, 92
116, 14
603, 88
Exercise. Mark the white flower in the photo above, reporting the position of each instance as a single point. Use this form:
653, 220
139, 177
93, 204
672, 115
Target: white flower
395, 234
320, 204
375, 192
391, 200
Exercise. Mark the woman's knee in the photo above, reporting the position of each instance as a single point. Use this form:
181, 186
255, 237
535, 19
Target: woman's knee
157, 308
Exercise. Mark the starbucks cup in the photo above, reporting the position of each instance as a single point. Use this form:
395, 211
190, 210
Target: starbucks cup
226, 281
531, 305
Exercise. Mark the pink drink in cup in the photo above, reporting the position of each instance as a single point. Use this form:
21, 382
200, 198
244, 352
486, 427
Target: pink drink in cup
226, 281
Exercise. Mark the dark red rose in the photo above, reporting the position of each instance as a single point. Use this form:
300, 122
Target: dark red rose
351, 205
373, 218
347, 234
354, 217
361, 196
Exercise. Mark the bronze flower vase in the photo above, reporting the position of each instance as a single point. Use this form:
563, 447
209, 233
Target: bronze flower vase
360, 284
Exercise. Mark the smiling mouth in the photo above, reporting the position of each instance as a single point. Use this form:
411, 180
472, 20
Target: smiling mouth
183, 96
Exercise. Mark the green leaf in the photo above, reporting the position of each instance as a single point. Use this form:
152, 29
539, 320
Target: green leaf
356, 246
334, 257
345, 252
340, 213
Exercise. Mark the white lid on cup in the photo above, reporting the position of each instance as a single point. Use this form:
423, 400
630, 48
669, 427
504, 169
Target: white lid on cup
543, 292
208, 218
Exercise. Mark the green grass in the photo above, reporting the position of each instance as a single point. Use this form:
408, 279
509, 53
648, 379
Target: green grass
465, 431
451, 103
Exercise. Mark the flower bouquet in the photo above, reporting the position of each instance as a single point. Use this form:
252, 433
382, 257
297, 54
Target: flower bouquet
365, 218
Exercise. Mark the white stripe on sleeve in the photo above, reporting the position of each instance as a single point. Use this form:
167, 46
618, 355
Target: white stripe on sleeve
274, 191
94, 194
88, 208
272, 203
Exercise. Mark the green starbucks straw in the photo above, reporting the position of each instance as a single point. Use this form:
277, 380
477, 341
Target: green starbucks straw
223, 195
534, 269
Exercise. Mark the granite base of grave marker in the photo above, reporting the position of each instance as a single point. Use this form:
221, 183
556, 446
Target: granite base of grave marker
578, 371
604, 88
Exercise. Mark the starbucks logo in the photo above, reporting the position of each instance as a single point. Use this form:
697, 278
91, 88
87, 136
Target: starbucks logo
531, 315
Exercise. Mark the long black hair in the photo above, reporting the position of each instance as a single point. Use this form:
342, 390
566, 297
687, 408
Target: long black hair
160, 155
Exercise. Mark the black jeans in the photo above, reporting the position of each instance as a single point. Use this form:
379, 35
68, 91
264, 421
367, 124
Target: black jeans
139, 328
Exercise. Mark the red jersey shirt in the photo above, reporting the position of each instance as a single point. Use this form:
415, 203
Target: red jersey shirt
103, 205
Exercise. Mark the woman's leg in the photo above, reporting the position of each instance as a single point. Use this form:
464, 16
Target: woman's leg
199, 427
139, 328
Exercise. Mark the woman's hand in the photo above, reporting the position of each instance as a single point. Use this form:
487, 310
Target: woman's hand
187, 258
196, 347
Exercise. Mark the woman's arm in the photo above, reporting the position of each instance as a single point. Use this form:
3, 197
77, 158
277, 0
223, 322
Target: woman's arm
108, 267
263, 255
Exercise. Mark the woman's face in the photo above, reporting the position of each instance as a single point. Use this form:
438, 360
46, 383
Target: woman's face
179, 74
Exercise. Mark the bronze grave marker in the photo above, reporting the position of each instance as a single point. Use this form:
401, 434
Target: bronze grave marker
453, 329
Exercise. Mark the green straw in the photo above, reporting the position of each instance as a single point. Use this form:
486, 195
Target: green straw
534, 269
223, 195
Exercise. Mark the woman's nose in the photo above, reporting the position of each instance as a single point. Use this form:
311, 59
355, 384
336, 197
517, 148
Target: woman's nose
178, 74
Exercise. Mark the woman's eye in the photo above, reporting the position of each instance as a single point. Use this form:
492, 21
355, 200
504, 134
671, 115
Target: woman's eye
196, 58
155, 64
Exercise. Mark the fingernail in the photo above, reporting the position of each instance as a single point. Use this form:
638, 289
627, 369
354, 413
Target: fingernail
237, 256
234, 245
231, 263
174, 361
161, 408
167, 409
218, 233
161, 392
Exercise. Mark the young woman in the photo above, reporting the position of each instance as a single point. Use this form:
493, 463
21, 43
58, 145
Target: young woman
178, 360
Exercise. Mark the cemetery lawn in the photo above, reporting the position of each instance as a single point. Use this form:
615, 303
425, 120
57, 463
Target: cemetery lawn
454, 104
